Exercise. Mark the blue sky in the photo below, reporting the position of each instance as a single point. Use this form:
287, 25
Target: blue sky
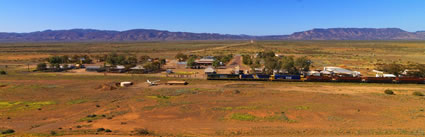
254, 17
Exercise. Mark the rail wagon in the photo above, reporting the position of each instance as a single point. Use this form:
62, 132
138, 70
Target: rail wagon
377, 79
347, 79
223, 77
262, 77
318, 79
279, 77
246, 77
416, 80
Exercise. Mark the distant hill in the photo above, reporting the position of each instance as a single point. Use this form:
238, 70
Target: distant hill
103, 35
356, 34
79, 35
421, 33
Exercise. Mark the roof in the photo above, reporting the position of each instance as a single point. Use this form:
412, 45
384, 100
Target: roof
208, 57
93, 67
120, 67
177, 82
209, 69
137, 67
338, 70
182, 63
204, 61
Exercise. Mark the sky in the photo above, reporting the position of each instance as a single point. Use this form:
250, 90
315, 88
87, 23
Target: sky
252, 17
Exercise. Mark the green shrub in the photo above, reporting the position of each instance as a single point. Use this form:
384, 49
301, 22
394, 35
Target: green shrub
243, 117
53, 133
41, 66
389, 92
108, 130
100, 129
2, 72
417, 93
141, 131
8, 131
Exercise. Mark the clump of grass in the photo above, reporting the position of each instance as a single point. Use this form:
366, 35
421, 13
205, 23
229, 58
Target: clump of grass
90, 118
53, 133
7, 131
25, 105
243, 117
279, 117
159, 97
142, 131
78, 101
2, 72
389, 92
100, 129
417, 93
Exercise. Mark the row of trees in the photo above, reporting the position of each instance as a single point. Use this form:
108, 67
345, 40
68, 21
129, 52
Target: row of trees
150, 64
77, 59
223, 59
115, 59
55, 61
282, 64
416, 70
190, 59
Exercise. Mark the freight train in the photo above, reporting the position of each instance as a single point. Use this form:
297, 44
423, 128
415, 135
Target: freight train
301, 78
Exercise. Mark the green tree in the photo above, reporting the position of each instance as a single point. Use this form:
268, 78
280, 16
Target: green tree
86, 60
181, 57
303, 63
288, 64
416, 70
41, 66
112, 59
121, 60
152, 66
266, 54
163, 61
246, 59
65, 59
115, 59
55, 60
191, 61
216, 63
75, 59
392, 68
144, 58
270, 64
132, 60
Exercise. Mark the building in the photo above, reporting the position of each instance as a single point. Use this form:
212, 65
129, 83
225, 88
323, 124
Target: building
138, 69
341, 71
117, 69
382, 74
204, 62
181, 65
95, 69
210, 70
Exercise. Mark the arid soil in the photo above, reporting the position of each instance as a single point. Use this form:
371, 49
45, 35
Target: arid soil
208, 108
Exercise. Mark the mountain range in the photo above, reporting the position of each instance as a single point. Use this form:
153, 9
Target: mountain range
81, 35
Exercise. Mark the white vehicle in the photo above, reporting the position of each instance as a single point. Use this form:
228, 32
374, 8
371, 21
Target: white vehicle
152, 83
